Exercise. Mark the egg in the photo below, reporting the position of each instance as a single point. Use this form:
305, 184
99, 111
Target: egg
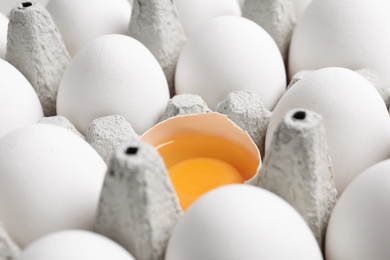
359, 225
50, 180
82, 21
300, 7
113, 75
231, 53
241, 2
193, 14
74, 245
202, 152
3, 34
355, 117
19, 103
241, 221
349, 33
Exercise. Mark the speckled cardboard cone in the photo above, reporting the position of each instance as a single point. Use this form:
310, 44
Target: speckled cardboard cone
36, 48
185, 104
157, 26
246, 110
297, 167
138, 207
277, 17
105, 134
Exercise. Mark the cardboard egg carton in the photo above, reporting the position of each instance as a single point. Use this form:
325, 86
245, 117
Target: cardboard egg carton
8, 248
132, 179
136, 172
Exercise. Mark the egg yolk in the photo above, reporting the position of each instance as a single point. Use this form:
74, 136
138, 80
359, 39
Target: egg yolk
198, 163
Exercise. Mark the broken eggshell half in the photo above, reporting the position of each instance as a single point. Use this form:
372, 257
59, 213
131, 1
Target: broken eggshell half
202, 152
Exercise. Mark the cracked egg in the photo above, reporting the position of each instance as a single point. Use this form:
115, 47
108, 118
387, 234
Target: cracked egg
202, 152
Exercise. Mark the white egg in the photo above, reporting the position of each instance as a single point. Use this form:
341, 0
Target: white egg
241, 2
359, 225
113, 75
241, 222
19, 103
3, 35
300, 7
349, 33
354, 115
193, 14
50, 179
82, 21
231, 53
74, 245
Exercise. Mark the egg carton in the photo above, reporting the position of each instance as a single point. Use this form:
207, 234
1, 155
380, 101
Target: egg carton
138, 207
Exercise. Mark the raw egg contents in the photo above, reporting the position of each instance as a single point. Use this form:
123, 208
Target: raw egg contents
194, 177
198, 163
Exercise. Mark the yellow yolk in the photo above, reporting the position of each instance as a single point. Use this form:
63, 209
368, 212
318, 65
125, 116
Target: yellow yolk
199, 163
194, 177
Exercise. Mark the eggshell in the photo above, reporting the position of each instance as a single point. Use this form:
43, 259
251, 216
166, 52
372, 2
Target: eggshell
227, 54
19, 103
241, 222
349, 33
359, 225
193, 14
74, 245
205, 123
355, 117
241, 2
3, 34
50, 179
113, 75
82, 21
300, 7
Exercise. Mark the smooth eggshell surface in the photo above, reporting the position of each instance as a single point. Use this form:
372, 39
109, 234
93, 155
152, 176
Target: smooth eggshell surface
359, 225
231, 53
349, 33
355, 117
19, 103
300, 7
241, 222
82, 21
113, 75
50, 180
3, 35
241, 2
193, 14
74, 245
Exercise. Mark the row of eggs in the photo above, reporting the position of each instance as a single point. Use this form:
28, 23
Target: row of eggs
318, 41
233, 222
34, 147
68, 14
239, 50
375, 125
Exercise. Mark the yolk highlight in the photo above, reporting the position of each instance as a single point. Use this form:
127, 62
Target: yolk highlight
194, 177
199, 163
